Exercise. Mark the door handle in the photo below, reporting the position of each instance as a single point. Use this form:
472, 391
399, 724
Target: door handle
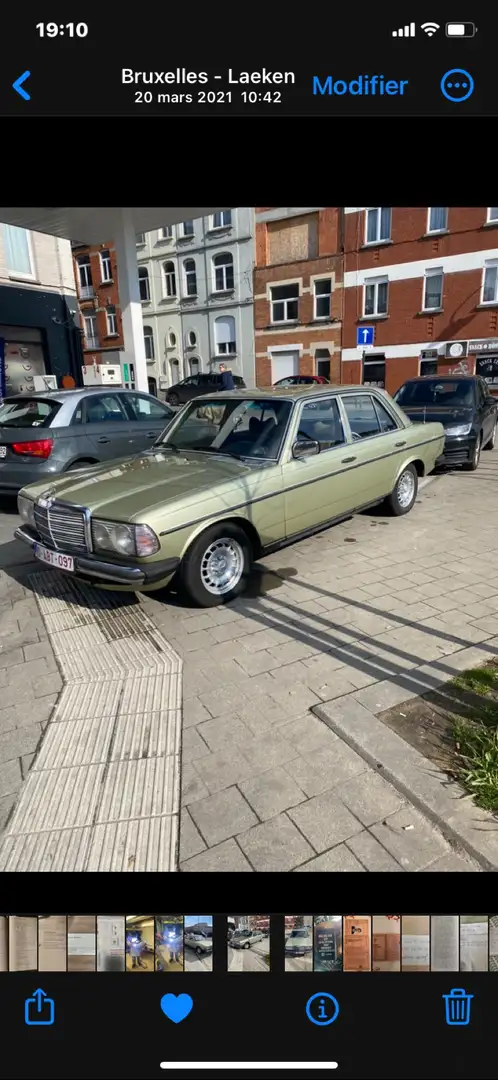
400, 443
347, 460
103, 439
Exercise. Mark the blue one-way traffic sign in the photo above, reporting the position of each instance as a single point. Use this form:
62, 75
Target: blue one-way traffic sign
365, 335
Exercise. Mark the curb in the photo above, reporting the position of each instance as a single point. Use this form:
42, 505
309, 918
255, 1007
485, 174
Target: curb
443, 801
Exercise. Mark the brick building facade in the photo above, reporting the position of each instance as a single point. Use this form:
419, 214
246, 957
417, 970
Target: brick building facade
96, 275
426, 280
298, 292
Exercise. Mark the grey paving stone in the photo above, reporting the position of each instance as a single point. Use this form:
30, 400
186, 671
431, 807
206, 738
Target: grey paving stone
19, 741
336, 761
452, 864
225, 731
337, 686
47, 684
10, 777
218, 702
275, 846
193, 788
226, 858
10, 657
385, 695
325, 821
193, 746
222, 815
411, 839
222, 770
338, 860
306, 733
269, 751
369, 797
38, 650
295, 698
191, 842
7, 803
26, 763
271, 793
312, 780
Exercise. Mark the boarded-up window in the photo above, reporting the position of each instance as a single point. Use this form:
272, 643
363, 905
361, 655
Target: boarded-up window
293, 239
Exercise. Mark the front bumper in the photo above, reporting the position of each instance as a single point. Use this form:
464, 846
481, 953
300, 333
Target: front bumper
458, 450
97, 570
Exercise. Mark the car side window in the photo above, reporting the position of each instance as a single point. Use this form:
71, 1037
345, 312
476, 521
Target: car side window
77, 417
103, 409
483, 393
145, 408
321, 421
361, 414
385, 419
193, 380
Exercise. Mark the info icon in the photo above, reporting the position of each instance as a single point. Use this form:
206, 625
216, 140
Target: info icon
322, 1009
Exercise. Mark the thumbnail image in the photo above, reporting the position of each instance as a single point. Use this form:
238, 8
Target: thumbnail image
198, 942
415, 943
445, 946
52, 943
493, 942
386, 943
111, 943
473, 942
23, 942
327, 933
248, 942
81, 942
357, 943
139, 943
169, 942
299, 943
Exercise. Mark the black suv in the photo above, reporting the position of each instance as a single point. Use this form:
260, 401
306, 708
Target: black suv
197, 386
462, 404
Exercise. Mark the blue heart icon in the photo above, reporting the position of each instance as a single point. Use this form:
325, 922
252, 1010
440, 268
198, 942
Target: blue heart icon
176, 1007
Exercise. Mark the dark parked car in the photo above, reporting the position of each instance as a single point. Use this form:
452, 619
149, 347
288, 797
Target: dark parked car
462, 404
49, 433
197, 385
302, 380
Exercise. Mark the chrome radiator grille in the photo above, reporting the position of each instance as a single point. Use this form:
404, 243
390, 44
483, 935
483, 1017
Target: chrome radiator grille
61, 528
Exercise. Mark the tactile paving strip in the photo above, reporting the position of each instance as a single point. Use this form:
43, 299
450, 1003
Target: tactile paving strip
104, 791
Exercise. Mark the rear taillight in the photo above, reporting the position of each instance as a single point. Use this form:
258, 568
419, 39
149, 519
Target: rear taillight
42, 448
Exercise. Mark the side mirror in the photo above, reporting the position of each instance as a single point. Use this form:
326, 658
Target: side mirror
304, 448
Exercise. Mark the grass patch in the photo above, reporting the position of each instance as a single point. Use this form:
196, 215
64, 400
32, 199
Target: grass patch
476, 735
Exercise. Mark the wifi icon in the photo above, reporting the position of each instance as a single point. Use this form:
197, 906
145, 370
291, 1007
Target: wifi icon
430, 28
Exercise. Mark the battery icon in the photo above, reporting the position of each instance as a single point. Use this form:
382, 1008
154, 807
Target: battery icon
460, 30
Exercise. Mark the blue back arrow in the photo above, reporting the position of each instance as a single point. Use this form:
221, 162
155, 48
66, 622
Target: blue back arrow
18, 86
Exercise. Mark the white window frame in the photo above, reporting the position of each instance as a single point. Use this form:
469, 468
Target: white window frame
316, 316
192, 344
171, 344
105, 259
188, 235
140, 239
94, 336
186, 275
492, 220
169, 274
149, 336
112, 323
491, 264
145, 300
436, 232
378, 239
437, 271
290, 299
223, 224
88, 267
24, 276
166, 233
226, 287
220, 345
322, 359
376, 281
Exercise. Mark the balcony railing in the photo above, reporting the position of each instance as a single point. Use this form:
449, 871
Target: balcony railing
87, 292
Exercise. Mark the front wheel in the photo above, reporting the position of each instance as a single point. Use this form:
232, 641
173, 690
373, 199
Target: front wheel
215, 569
490, 445
476, 456
401, 500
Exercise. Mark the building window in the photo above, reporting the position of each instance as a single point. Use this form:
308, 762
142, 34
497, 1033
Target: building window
433, 290
374, 372
492, 215
171, 340
18, 251
428, 367
191, 339
112, 323
438, 219
140, 239
169, 279
222, 220
166, 233
322, 298
375, 297
105, 266
322, 363
91, 334
490, 284
223, 272
190, 277
85, 276
187, 229
149, 343
143, 281
224, 335
194, 365
285, 303
378, 225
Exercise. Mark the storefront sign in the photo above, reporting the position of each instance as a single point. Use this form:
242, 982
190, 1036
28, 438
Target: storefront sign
429, 354
490, 345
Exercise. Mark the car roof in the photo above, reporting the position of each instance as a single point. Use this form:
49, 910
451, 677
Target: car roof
293, 393
61, 396
443, 378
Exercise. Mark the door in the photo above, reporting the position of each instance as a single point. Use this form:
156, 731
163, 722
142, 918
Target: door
148, 419
107, 426
284, 364
378, 446
317, 487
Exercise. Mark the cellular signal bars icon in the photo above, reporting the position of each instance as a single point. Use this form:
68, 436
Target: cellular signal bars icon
405, 31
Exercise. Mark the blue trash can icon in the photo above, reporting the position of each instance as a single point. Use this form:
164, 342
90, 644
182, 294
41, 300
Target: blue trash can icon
457, 1005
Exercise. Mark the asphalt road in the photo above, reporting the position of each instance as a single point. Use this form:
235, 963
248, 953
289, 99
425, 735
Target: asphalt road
253, 959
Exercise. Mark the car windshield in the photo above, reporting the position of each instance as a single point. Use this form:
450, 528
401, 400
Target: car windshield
431, 392
300, 933
247, 428
30, 412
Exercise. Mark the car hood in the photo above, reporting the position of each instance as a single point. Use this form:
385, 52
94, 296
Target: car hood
439, 414
124, 489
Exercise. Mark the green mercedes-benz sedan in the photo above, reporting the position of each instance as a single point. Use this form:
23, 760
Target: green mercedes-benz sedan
234, 477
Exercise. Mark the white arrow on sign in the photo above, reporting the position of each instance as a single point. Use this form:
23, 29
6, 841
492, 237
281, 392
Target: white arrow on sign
366, 334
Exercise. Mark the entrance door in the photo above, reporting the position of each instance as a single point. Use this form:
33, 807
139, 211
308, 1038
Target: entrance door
284, 364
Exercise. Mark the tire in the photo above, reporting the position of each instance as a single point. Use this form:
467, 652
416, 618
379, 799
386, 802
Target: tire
173, 399
402, 498
490, 445
247, 945
198, 951
80, 465
471, 466
203, 581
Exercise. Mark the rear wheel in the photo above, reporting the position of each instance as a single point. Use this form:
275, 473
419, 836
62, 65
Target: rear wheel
476, 456
215, 569
401, 500
79, 465
490, 445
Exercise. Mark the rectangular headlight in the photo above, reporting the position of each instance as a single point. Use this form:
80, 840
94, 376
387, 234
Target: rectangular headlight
26, 508
124, 539
459, 429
